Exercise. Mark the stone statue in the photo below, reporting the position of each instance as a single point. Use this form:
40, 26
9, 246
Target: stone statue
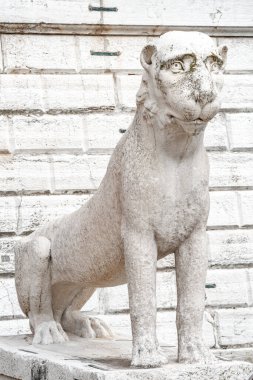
153, 201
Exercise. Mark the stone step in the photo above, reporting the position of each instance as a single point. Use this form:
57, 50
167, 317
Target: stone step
98, 359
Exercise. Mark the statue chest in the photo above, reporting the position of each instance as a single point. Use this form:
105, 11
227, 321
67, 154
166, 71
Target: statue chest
177, 216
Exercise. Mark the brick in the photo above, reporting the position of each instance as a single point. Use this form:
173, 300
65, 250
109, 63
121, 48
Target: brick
9, 207
237, 92
34, 53
49, 11
250, 280
127, 87
240, 131
215, 137
166, 327
193, 14
231, 288
129, 49
223, 209
246, 201
37, 210
20, 173
21, 92
56, 92
102, 131
229, 248
7, 254
240, 52
231, 170
48, 133
235, 326
78, 172
78, 91
1, 56
26, 213
5, 143
8, 297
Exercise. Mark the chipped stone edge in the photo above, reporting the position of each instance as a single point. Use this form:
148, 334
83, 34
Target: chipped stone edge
26, 365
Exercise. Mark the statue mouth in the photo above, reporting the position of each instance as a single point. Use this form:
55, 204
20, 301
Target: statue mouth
195, 122
192, 127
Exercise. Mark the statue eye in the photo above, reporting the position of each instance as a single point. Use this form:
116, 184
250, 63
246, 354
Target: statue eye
215, 67
176, 67
213, 64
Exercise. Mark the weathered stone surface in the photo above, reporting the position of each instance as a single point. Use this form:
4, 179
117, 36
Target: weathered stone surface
223, 209
67, 169
246, 199
235, 326
182, 13
7, 254
47, 133
56, 92
37, 210
49, 11
8, 297
5, 141
20, 173
242, 57
231, 170
106, 360
230, 248
240, 131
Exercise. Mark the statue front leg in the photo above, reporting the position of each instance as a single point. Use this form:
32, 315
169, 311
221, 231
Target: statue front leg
191, 267
140, 261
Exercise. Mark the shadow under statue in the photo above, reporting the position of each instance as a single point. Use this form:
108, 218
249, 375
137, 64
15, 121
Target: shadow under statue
153, 201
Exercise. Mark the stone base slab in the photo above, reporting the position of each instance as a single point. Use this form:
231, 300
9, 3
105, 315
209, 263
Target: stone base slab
98, 359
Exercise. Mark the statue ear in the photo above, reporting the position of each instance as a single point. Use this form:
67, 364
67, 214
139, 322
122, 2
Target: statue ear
146, 56
223, 49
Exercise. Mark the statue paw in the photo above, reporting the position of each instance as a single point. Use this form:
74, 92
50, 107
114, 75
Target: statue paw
195, 352
97, 328
85, 326
48, 333
148, 358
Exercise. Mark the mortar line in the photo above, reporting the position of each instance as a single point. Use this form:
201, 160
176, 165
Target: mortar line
2, 52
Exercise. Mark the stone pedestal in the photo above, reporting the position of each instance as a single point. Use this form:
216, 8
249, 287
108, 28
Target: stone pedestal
81, 359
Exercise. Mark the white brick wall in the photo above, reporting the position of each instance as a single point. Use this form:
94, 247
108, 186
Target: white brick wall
63, 110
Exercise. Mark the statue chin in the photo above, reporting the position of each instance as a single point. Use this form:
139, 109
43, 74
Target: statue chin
193, 127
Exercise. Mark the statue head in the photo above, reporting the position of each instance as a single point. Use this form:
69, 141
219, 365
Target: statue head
183, 78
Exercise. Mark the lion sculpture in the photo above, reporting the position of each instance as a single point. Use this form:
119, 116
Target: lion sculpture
153, 201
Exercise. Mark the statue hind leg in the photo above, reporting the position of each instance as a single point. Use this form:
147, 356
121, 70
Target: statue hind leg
77, 323
33, 284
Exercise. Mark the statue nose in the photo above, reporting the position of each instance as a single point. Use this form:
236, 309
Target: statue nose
204, 91
204, 95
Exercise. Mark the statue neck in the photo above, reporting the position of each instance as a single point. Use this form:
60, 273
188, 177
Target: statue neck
162, 134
